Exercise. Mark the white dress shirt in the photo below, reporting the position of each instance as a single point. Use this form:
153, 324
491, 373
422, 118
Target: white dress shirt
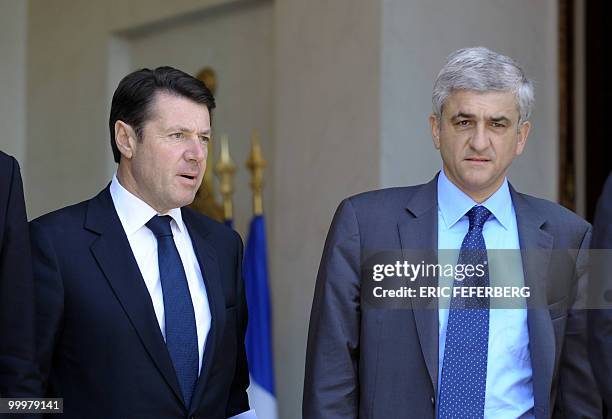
134, 213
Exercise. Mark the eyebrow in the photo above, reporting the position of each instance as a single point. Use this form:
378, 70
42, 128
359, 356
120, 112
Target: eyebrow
184, 129
471, 116
500, 119
463, 115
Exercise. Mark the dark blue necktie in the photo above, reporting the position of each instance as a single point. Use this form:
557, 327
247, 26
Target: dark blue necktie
464, 370
181, 332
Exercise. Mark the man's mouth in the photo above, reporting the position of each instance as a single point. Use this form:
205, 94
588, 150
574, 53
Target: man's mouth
188, 176
477, 159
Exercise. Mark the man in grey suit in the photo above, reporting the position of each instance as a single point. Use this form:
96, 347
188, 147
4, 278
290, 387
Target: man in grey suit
460, 357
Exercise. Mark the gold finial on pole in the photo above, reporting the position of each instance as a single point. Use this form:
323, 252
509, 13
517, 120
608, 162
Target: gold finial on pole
208, 76
256, 165
205, 200
225, 169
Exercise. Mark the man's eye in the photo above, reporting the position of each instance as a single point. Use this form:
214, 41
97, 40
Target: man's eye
463, 123
178, 135
497, 125
204, 138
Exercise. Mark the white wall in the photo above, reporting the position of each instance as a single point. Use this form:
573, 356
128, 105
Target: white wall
417, 37
13, 27
327, 147
68, 141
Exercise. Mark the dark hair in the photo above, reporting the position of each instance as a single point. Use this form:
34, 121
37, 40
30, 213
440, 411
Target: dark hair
135, 92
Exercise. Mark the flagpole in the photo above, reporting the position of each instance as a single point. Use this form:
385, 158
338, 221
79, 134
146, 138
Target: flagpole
256, 164
225, 170
262, 394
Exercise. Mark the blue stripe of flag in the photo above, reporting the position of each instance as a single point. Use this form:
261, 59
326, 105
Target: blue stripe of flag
259, 334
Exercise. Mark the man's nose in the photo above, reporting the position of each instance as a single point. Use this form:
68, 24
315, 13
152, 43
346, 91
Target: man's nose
480, 139
196, 150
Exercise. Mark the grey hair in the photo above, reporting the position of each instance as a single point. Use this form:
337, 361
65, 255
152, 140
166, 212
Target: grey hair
482, 70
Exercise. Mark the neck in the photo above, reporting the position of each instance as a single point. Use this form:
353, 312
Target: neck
127, 181
480, 195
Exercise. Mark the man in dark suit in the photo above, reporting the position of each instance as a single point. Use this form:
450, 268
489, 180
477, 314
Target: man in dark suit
17, 363
141, 306
459, 356
600, 315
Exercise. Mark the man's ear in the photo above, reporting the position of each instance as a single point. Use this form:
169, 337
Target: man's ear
125, 139
434, 123
522, 134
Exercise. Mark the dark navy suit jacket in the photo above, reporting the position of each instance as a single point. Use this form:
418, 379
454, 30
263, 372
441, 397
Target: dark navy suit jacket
99, 342
372, 362
17, 366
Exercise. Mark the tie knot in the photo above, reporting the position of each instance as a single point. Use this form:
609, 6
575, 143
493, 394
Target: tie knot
160, 225
478, 215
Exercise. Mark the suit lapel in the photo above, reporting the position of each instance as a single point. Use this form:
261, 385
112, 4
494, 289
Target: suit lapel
209, 265
536, 245
114, 255
419, 233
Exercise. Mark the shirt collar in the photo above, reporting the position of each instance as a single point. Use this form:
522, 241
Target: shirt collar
133, 212
454, 203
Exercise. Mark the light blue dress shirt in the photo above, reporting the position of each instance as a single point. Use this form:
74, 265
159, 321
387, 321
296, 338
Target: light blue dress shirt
509, 388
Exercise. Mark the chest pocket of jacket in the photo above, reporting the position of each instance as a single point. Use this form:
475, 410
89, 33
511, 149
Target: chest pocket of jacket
513, 328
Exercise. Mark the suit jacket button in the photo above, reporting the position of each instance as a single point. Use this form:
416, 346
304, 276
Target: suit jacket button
433, 401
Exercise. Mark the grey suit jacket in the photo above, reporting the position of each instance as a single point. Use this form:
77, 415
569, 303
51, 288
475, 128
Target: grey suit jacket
383, 363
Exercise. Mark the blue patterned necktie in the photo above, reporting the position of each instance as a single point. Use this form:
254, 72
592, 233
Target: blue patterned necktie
181, 332
464, 370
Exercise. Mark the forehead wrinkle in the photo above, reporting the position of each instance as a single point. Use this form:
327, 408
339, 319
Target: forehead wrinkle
461, 114
475, 103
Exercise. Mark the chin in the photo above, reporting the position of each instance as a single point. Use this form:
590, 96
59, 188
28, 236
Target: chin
186, 202
182, 201
477, 178
190, 200
474, 184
